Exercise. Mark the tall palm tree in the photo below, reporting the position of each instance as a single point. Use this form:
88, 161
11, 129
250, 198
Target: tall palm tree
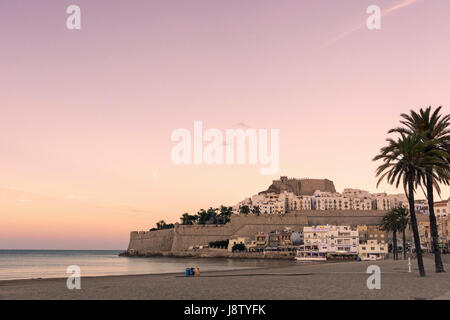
390, 223
432, 126
405, 161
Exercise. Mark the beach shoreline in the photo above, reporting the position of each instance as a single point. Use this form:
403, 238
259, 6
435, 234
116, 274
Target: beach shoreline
346, 280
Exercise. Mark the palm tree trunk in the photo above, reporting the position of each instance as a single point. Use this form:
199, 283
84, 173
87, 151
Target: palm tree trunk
433, 227
412, 212
404, 243
394, 247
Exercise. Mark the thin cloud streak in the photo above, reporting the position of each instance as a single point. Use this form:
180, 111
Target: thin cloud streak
384, 14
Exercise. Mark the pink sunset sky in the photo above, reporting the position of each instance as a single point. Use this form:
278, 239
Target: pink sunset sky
87, 115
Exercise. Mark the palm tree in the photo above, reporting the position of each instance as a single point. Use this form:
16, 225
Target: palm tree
185, 218
390, 223
405, 161
203, 216
403, 221
225, 214
212, 215
432, 126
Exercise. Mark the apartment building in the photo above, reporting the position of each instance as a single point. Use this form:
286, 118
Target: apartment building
372, 250
336, 201
284, 242
342, 240
384, 201
260, 243
317, 236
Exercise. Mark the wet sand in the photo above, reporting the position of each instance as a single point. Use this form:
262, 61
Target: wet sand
342, 280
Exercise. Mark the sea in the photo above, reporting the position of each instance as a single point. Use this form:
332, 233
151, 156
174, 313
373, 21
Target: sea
34, 264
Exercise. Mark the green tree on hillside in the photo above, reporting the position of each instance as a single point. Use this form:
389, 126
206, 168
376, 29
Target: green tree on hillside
187, 219
244, 209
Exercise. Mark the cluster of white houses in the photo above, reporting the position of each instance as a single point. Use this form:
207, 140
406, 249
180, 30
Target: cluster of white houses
321, 243
292, 195
350, 199
367, 242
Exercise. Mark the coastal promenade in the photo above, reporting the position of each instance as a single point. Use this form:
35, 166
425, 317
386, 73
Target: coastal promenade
341, 280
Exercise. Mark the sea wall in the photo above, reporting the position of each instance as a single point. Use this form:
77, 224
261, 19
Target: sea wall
180, 238
242, 226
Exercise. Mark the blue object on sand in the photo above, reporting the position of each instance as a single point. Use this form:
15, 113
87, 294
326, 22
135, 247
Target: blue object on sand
187, 272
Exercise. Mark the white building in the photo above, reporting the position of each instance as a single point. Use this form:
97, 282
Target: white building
274, 203
332, 241
350, 199
336, 201
384, 201
342, 240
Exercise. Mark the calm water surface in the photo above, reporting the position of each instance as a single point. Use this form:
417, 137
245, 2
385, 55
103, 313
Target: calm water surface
27, 264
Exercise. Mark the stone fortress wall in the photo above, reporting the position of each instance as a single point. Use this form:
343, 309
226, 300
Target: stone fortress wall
146, 242
181, 237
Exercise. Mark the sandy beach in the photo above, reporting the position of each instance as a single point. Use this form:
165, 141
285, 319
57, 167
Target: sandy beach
342, 280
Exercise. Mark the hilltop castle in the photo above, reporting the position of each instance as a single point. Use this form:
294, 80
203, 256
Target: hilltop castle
287, 203
300, 187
